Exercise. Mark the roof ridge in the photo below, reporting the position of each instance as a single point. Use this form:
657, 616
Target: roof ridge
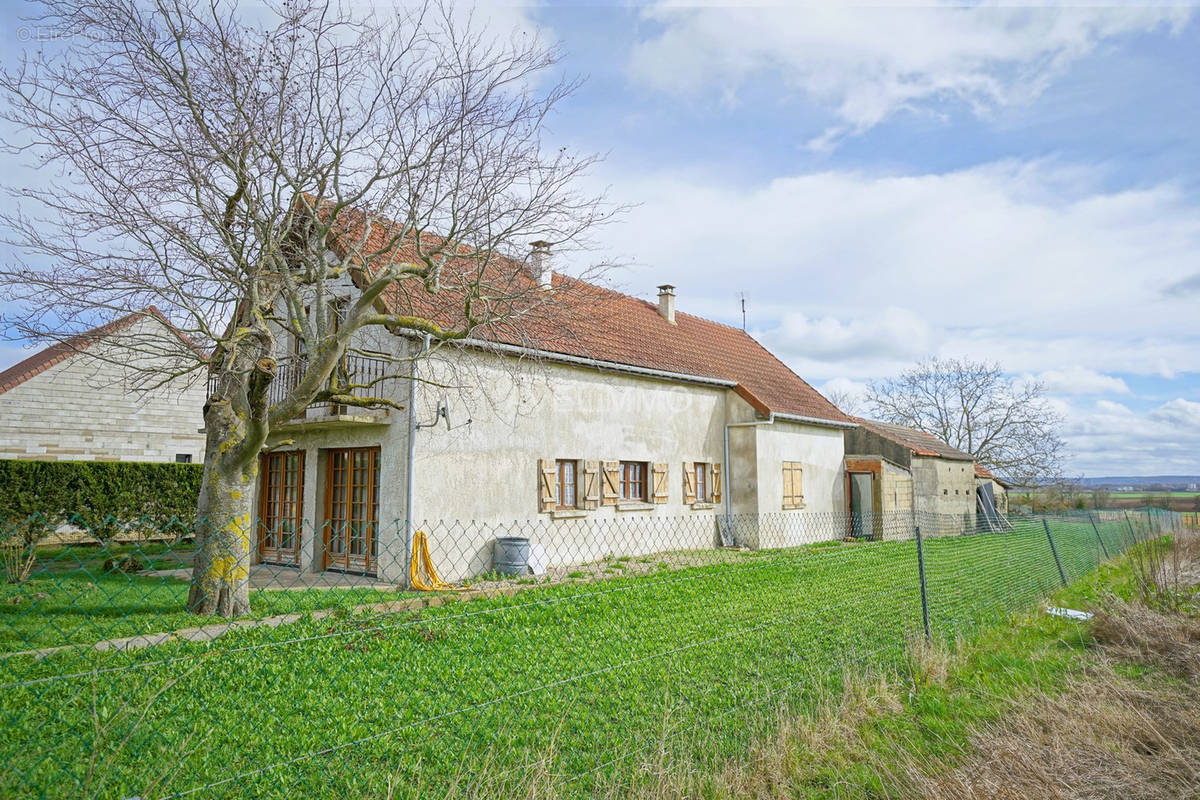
896, 432
604, 324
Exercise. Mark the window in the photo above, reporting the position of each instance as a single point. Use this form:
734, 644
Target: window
793, 485
281, 500
351, 509
183, 458
567, 485
633, 480
702, 494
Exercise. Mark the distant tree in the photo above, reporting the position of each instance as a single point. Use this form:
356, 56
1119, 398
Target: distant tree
1006, 424
1100, 498
847, 402
1158, 501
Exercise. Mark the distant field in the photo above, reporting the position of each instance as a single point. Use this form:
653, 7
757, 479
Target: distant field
1176, 501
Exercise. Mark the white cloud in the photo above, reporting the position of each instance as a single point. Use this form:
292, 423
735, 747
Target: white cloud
866, 64
1080, 380
856, 275
1179, 412
894, 332
1108, 437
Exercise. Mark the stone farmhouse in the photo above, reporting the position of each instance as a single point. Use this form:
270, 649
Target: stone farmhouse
621, 426
75, 401
893, 468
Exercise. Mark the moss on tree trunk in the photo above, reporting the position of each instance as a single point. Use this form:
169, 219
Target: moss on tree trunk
224, 527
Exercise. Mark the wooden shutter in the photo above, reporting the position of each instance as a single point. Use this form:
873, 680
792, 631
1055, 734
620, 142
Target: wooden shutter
547, 478
611, 490
661, 492
716, 483
591, 484
689, 482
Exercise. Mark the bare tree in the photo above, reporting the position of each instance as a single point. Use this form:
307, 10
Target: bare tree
1005, 423
847, 402
232, 173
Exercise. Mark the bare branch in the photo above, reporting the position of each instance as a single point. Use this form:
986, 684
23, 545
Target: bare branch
1006, 424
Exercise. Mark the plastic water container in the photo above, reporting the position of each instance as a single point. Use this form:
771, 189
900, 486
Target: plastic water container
511, 555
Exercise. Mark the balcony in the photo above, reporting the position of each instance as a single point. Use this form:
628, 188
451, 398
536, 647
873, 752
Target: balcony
373, 375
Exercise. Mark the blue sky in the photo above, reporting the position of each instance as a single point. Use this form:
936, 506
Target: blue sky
1019, 184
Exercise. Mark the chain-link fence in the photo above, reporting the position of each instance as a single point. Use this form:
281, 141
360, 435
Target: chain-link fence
569, 651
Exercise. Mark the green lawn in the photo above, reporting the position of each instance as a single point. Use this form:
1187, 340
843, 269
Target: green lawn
595, 675
71, 599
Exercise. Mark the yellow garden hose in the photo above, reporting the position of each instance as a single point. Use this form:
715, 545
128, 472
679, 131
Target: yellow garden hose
421, 574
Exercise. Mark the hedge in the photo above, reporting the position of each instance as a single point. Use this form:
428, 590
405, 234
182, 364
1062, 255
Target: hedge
103, 497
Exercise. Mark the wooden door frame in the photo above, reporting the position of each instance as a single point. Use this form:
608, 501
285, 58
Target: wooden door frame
876, 476
327, 562
263, 499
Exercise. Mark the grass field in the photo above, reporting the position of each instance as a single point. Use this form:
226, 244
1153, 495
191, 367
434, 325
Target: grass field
78, 602
596, 675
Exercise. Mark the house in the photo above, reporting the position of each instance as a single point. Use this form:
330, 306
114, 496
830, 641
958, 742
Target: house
607, 424
76, 401
895, 474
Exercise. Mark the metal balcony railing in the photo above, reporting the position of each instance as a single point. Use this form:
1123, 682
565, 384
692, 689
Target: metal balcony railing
373, 377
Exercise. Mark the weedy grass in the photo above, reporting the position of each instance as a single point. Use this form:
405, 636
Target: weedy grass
588, 683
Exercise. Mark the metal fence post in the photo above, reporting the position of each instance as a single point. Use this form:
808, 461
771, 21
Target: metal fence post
924, 589
1099, 538
1132, 533
1054, 550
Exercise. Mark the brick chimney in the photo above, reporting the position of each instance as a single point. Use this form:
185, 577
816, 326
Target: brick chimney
666, 302
539, 263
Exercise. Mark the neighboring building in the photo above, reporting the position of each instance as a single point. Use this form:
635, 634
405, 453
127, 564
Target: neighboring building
893, 468
602, 430
74, 401
985, 482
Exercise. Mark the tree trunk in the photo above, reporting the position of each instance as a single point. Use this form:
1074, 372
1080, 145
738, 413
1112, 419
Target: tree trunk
224, 526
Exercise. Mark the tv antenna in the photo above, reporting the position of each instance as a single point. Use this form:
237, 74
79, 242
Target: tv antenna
742, 296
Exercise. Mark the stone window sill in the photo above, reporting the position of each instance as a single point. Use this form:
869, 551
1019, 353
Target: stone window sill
568, 513
798, 507
701, 506
635, 506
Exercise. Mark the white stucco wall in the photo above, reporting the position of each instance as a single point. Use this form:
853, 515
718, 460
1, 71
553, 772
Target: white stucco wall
821, 452
476, 482
86, 408
480, 480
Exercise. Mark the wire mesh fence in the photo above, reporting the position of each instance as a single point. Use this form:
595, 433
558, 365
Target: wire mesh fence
566, 650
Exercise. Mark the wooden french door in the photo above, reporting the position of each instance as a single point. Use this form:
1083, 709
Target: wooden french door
351, 509
281, 507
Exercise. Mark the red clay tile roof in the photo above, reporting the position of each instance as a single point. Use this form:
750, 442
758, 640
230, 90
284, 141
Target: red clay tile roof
986, 474
578, 318
921, 443
56, 353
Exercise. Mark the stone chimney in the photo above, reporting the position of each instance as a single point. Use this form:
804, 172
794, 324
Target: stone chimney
666, 302
539, 263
